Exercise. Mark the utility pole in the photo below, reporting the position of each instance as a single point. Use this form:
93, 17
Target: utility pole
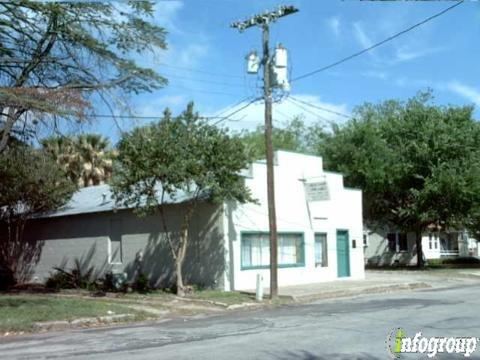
263, 21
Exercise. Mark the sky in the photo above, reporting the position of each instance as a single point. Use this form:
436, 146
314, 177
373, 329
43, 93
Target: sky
205, 59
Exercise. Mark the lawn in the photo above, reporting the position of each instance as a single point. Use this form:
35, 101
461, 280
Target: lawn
226, 297
20, 312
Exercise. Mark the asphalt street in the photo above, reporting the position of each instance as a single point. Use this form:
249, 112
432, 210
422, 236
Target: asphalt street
355, 328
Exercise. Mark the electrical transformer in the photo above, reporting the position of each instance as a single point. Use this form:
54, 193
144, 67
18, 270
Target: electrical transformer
280, 56
253, 62
279, 69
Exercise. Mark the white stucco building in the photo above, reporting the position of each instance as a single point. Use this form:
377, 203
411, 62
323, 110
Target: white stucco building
319, 224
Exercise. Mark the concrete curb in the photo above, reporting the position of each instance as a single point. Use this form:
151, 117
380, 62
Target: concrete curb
381, 289
62, 324
202, 301
244, 305
432, 273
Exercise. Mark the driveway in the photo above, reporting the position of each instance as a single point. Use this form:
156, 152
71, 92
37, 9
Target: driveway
354, 328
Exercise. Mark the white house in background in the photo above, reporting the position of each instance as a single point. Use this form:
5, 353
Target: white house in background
319, 232
319, 224
386, 247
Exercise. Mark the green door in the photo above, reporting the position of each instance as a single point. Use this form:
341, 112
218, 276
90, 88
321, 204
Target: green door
343, 253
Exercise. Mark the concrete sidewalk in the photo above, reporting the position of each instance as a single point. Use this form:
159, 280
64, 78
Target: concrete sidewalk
378, 282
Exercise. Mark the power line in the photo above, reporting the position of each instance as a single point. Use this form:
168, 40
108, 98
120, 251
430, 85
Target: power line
377, 44
168, 76
156, 117
10, 60
199, 71
310, 112
202, 91
236, 111
320, 108
143, 117
230, 107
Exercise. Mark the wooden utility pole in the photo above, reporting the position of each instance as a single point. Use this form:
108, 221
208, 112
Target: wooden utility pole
264, 20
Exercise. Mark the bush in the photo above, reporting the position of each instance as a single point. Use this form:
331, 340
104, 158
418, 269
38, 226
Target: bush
76, 278
114, 282
434, 263
142, 284
58, 280
7, 280
462, 260
188, 289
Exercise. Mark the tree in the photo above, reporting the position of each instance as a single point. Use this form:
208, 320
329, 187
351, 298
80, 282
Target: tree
31, 183
86, 159
58, 57
96, 159
64, 151
418, 164
294, 136
179, 154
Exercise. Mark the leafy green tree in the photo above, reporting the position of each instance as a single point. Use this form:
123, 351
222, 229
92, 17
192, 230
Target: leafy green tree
418, 164
56, 58
31, 183
179, 154
294, 136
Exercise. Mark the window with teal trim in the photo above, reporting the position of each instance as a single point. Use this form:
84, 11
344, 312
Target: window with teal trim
321, 257
290, 249
256, 250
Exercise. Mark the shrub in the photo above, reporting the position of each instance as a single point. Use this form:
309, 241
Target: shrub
76, 278
58, 280
434, 263
142, 284
114, 282
462, 260
7, 280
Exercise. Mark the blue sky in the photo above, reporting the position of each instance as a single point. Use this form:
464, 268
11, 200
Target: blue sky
205, 59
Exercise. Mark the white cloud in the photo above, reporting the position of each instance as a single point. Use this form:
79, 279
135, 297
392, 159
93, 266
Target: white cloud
408, 50
191, 54
284, 111
166, 13
334, 24
361, 36
406, 54
188, 55
466, 91
376, 74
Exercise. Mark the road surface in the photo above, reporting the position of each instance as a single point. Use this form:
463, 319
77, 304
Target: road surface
355, 328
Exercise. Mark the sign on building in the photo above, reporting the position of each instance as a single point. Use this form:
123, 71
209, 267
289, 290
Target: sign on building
317, 191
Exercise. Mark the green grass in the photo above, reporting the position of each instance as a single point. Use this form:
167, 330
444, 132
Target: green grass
226, 297
19, 312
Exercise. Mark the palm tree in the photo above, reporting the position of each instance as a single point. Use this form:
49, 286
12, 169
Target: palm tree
87, 159
63, 150
96, 159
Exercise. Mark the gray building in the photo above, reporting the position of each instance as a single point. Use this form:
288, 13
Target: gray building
91, 230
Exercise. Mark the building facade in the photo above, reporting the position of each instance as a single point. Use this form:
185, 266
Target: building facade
385, 247
319, 225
